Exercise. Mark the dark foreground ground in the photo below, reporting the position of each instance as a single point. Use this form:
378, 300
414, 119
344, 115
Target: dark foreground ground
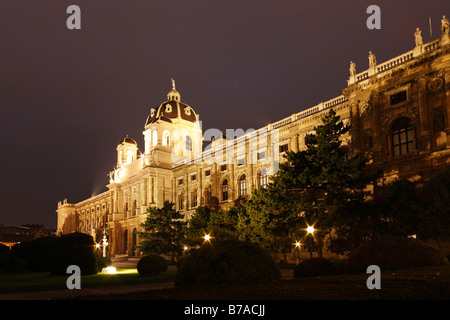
429, 283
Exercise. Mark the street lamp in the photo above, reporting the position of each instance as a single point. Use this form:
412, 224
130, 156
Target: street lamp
207, 237
310, 231
297, 245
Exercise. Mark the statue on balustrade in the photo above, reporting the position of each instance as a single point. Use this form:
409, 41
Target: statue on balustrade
445, 25
418, 37
372, 60
352, 69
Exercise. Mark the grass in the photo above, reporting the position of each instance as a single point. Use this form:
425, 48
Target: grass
42, 281
427, 283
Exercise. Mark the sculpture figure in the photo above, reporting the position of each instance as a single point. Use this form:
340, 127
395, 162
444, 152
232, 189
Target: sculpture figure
372, 60
418, 37
445, 25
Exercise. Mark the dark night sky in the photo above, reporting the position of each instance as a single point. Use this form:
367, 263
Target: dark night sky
68, 96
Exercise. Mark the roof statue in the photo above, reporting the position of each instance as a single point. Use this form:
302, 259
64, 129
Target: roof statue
418, 37
445, 25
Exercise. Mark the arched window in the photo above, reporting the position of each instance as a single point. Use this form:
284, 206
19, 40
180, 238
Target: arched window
402, 136
188, 143
208, 194
129, 156
225, 190
262, 178
242, 186
166, 138
194, 198
180, 202
155, 138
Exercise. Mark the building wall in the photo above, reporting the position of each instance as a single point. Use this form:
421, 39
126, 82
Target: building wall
407, 96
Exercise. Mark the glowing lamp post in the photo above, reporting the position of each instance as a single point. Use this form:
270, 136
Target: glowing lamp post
297, 245
207, 237
105, 243
310, 231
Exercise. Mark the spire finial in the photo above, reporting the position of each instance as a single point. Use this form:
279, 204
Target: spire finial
173, 84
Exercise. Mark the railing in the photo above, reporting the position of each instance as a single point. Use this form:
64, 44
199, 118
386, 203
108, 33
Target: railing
395, 61
431, 46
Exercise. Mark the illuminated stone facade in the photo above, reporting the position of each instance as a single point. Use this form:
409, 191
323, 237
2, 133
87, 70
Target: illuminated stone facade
399, 111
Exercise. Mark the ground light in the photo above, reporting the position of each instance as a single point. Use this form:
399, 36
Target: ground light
109, 270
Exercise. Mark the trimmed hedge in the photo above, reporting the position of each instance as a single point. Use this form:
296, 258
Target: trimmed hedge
227, 262
391, 254
151, 265
75, 249
314, 267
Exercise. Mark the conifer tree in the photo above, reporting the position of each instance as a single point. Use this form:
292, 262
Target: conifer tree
163, 232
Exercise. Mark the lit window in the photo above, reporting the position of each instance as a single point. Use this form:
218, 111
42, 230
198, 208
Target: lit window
155, 137
194, 198
166, 138
283, 148
243, 186
225, 190
208, 194
402, 137
188, 143
262, 178
180, 202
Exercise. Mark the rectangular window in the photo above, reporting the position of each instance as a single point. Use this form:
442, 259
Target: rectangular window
180, 181
397, 97
207, 173
261, 155
193, 177
241, 161
283, 148
223, 167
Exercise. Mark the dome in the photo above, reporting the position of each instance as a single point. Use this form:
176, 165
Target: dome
171, 109
127, 140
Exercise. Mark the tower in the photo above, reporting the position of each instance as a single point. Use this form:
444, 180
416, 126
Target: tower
172, 132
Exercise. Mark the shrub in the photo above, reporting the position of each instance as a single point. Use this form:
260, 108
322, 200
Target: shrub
391, 254
227, 262
74, 249
4, 250
15, 264
313, 267
151, 265
103, 262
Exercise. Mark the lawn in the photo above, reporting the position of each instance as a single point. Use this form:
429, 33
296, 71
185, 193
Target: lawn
427, 283
40, 281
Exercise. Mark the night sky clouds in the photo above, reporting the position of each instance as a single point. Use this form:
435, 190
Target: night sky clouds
68, 96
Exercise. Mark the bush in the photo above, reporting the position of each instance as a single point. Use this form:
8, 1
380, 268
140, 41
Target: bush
391, 254
227, 262
4, 250
75, 249
151, 265
15, 264
313, 267
103, 262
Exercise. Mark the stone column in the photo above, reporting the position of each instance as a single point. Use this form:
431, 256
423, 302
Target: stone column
424, 140
356, 129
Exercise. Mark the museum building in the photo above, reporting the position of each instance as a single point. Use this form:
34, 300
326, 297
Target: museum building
399, 114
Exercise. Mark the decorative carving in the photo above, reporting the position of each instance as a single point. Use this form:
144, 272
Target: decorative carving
435, 83
152, 112
364, 106
187, 111
168, 108
367, 139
